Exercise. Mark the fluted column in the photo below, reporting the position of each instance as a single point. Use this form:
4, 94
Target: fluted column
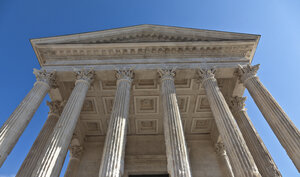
112, 163
224, 160
240, 158
38, 146
177, 155
15, 125
53, 156
285, 130
265, 164
75, 154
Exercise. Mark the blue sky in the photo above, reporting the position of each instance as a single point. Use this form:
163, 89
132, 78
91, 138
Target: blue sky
278, 22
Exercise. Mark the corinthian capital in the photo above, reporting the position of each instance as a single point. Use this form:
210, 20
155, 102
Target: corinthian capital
85, 74
247, 72
206, 74
124, 74
167, 73
75, 148
76, 151
45, 77
237, 103
220, 148
56, 107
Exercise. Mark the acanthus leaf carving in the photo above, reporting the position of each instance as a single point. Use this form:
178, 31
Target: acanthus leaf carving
206, 73
44, 76
167, 73
247, 72
56, 107
236, 103
86, 74
126, 74
75, 148
220, 148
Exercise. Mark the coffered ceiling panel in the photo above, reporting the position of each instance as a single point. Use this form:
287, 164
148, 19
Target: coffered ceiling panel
146, 109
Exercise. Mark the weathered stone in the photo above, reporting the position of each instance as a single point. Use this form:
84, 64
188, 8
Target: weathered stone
242, 162
51, 161
112, 164
285, 130
148, 48
75, 154
15, 125
39, 144
265, 164
224, 160
177, 155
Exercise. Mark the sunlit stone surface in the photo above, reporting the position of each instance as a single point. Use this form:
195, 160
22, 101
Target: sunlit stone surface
142, 122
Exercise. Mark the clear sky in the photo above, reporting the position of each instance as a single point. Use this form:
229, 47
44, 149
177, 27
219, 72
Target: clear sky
278, 52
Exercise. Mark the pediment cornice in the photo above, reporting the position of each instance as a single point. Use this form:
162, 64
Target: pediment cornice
145, 33
146, 41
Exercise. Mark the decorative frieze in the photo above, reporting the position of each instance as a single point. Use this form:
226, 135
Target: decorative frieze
175, 51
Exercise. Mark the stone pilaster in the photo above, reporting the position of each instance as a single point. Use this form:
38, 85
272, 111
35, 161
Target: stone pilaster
38, 146
260, 154
177, 155
224, 160
240, 158
15, 125
53, 156
285, 130
75, 154
112, 163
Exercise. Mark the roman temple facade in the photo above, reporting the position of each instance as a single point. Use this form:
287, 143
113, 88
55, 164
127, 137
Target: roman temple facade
149, 100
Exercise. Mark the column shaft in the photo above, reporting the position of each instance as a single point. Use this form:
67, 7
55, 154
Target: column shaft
75, 154
242, 162
15, 125
72, 167
224, 160
285, 130
260, 154
52, 158
112, 163
39, 144
177, 155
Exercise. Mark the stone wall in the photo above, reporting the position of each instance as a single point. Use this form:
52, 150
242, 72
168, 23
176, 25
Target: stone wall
146, 154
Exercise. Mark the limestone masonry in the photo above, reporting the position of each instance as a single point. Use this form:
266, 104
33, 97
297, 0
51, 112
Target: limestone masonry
151, 101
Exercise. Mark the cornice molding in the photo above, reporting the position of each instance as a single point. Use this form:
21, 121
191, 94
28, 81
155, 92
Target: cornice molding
182, 50
145, 32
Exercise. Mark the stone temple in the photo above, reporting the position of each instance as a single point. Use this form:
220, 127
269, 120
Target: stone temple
149, 101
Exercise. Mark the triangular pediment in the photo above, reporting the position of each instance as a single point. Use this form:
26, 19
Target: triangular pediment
144, 34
